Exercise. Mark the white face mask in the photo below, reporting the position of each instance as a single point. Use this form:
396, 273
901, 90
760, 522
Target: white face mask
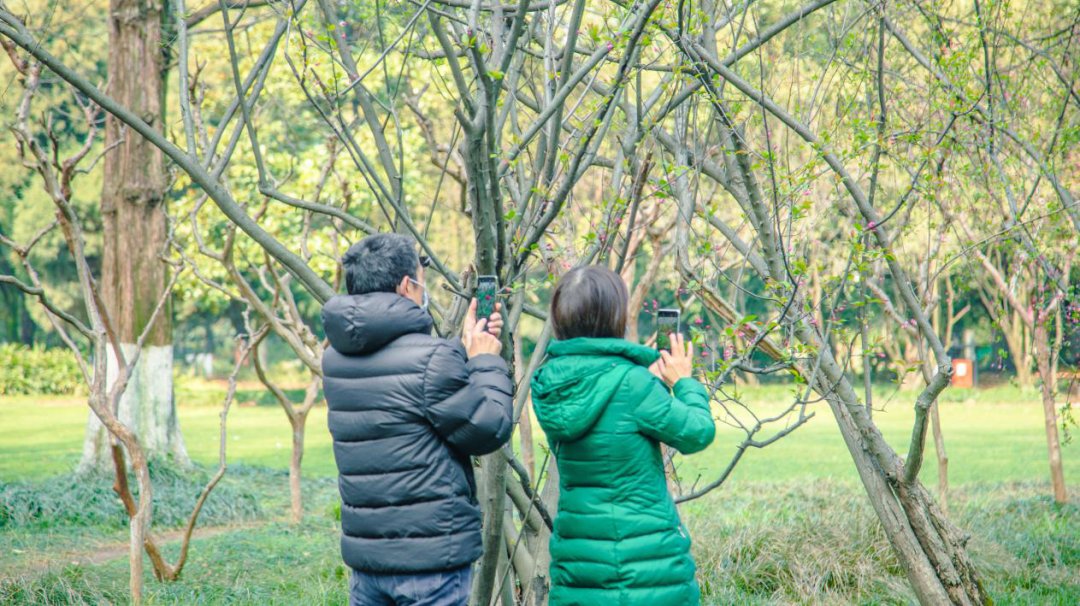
424, 300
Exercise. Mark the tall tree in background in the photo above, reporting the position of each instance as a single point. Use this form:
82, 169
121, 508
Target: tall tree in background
133, 274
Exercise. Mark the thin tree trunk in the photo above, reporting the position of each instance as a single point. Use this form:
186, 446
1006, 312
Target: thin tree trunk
296, 494
935, 419
1053, 444
528, 448
525, 434
1016, 341
492, 485
942, 458
139, 514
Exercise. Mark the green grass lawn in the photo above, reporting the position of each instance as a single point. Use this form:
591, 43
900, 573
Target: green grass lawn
791, 526
991, 436
42, 436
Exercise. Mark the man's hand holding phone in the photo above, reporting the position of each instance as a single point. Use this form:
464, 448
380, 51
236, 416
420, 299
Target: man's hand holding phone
482, 336
677, 363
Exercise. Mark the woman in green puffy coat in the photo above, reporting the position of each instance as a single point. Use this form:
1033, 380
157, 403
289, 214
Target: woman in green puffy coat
606, 405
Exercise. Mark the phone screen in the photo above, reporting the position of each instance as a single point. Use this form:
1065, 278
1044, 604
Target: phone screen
486, 288
667, 322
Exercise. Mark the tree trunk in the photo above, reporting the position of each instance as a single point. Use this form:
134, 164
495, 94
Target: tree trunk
298, 424
942, 458
492, 488
1015, 339
27, 328
1049, 384
536, 594
133, 277
930, 548
935, 418
525, 434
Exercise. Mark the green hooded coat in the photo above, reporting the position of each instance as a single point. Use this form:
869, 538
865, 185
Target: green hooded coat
618, 540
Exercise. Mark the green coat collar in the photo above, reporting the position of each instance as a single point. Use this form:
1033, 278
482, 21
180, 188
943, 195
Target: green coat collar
585, 346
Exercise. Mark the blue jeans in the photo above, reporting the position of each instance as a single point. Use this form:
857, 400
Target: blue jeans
450, 588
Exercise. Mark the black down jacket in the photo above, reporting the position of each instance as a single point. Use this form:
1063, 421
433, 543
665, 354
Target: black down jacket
406, 411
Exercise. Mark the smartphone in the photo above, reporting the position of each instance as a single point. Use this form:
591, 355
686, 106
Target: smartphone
667, 322
486, 289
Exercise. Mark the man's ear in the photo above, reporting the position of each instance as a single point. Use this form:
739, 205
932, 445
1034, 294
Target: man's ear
403, 286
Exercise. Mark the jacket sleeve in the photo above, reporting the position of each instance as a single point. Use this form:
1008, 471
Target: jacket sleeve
680, 418
468, 402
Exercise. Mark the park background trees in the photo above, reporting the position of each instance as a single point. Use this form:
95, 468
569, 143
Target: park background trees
824, 184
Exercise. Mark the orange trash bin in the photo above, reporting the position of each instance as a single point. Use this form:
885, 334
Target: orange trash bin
963, 372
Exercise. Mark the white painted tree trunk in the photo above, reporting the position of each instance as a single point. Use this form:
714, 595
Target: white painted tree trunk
146, 407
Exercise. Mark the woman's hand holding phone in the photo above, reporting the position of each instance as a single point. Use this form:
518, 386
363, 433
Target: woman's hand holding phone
677, 363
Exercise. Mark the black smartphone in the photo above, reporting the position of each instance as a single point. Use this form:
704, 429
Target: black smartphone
487, 288
667, 322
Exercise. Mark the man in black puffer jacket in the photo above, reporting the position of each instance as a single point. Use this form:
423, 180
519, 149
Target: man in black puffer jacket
406, 411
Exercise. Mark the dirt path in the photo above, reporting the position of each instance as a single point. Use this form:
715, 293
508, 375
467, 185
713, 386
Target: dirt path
36, 564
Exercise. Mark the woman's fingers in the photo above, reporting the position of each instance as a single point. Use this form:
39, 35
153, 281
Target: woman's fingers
678, 349
657, 368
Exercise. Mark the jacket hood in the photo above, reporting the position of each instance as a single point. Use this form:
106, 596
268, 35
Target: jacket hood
362, 324
573, 388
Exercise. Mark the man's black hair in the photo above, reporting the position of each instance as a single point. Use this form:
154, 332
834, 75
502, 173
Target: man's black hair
379, 262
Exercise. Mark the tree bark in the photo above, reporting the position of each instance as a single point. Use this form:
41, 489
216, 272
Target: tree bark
133, 277
935, 417
1018, 341
931, 550
1049, 384
942, 458
296, 494
525, 434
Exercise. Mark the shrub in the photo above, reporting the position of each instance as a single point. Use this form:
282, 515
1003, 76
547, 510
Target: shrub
88, 500
38, 371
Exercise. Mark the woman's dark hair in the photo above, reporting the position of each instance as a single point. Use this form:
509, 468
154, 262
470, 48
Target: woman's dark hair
590, 302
